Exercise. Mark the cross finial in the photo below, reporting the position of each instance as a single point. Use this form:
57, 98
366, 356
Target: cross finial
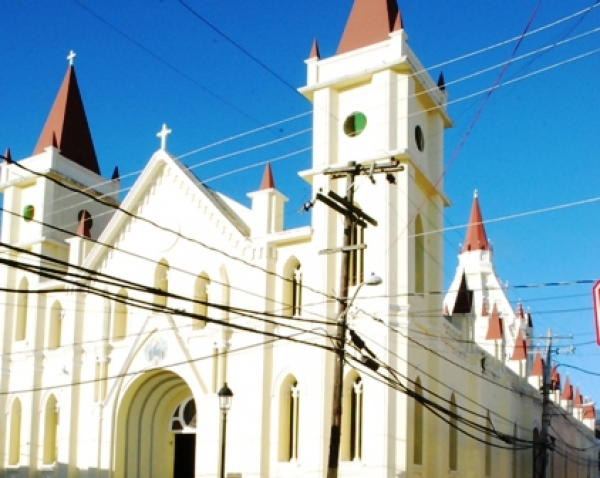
162, 134
71, 57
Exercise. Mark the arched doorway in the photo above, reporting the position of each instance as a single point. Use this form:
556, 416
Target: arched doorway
156, 428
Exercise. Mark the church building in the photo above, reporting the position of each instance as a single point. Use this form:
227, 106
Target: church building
124, 319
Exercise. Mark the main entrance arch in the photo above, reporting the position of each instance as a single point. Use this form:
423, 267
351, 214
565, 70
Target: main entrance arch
156, 428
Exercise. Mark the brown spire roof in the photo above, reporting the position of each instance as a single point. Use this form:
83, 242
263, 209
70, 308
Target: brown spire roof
537, 370
589, 412
567, 393
520, 311
115, 175
267, 179
494, 326
314, 51
520, 350
554, 378
370, 21
476, 238
67, 128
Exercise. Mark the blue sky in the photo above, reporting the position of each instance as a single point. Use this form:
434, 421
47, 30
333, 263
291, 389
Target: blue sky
144, 63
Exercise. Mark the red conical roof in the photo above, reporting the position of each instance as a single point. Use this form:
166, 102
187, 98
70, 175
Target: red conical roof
267, 179
554, 378
67, 128
589, 412
494, 326
370, 21
475, 238
520, 350
314, 51
577, 399
537, 370
567, 393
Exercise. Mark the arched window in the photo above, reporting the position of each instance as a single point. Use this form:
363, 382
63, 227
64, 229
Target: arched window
453, 436
289, 419
119, 326
183, 419
488, 447
419, 256
21, 316
55, 326
14, 444
50, 430
161, 282
201, 300
292, 288
352, 418
418, 424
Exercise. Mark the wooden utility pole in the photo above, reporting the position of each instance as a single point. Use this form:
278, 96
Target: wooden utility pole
353, 216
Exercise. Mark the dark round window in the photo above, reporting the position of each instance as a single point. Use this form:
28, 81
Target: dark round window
355, 124
419, 138
28, 212
88, 218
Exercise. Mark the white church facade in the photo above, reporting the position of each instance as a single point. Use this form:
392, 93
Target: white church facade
122, 320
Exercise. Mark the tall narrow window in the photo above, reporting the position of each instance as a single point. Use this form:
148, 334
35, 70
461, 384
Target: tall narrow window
119, 331
419, 257
352, 418
292, 288
21, 315
161, 283
201, 300
488, 447
453, 436
50, 431
14, 444
418, 424
55, 326
297, 292
357, 256
289, 420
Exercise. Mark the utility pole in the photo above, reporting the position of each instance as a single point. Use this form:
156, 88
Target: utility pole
353, 216
546, 379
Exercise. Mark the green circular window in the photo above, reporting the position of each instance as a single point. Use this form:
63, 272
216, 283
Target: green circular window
355, 124
419, 138
28, 212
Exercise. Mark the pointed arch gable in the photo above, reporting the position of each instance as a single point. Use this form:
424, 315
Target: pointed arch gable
291, 296
352, 417
14, 432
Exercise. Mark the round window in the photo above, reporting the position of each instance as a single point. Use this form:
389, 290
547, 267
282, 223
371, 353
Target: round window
419, 138
355, 124
28, 212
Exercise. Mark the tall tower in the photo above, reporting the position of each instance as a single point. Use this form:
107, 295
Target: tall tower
373, 101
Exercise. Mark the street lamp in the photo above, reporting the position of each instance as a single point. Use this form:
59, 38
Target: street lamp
225, 398
338, 380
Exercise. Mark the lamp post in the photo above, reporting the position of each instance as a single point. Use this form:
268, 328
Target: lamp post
338, 378
225, 398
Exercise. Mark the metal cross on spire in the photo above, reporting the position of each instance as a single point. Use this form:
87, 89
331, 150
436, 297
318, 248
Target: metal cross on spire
71, 57
162, 134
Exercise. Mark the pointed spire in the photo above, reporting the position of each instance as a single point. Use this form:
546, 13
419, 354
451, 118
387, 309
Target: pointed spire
85, 225
537, 369
495, 331
115, 175
520, 311
441, 82
475, 238
567, 393
589, 412
67, 127
370, 21
314, 51
520, 350
8, 156
267, 179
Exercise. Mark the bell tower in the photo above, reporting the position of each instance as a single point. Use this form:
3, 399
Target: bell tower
42, 205
373, 101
